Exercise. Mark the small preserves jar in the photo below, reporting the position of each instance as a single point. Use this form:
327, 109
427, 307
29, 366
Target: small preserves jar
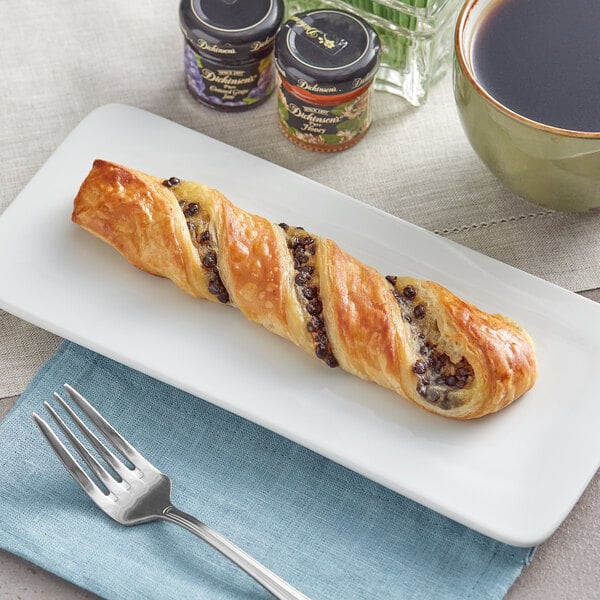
229, 50
326, 61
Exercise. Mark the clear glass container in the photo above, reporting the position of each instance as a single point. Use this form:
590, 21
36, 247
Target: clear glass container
416, 36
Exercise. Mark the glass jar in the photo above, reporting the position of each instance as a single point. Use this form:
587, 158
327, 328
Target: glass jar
326, 61
229, 50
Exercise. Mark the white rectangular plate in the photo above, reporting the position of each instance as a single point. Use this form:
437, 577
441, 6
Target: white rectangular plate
513, 476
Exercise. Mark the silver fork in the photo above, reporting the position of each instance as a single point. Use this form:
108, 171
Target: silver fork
141, 494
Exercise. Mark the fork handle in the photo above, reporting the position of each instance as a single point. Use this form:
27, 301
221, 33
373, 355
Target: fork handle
271, 582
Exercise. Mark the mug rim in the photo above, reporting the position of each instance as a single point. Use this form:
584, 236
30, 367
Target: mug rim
465, 66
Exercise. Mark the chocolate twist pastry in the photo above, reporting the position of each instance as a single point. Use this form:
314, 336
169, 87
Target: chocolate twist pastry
411, 336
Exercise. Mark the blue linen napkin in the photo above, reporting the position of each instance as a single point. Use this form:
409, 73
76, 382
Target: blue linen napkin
327, 530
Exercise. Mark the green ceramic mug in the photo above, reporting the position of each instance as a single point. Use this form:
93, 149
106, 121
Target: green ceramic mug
552, 167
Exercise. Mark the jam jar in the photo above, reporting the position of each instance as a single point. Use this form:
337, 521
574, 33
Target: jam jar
326, 61
229, 50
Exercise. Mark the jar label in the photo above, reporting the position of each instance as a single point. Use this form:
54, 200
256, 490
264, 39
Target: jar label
321, 125
219, 84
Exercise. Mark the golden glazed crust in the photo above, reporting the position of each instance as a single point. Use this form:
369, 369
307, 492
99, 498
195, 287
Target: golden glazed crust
500, 352
414, 337
362, 326
256, 276
141, 219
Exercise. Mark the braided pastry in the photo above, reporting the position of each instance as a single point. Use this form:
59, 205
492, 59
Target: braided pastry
411, 336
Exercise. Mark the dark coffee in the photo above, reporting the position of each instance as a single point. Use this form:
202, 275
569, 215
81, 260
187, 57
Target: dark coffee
541, 59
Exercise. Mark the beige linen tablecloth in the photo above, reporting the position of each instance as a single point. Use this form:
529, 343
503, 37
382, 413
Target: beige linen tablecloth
62, 59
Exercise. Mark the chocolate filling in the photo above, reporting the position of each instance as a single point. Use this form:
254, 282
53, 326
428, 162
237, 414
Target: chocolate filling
303, 248
438, 377
197, 222
172, 181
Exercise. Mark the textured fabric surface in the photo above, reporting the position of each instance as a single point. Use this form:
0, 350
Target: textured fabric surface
23, 350
329, 531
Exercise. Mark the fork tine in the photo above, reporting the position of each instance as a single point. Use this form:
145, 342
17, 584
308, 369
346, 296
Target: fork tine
104, 452
95, 467
72, 466
120, 443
